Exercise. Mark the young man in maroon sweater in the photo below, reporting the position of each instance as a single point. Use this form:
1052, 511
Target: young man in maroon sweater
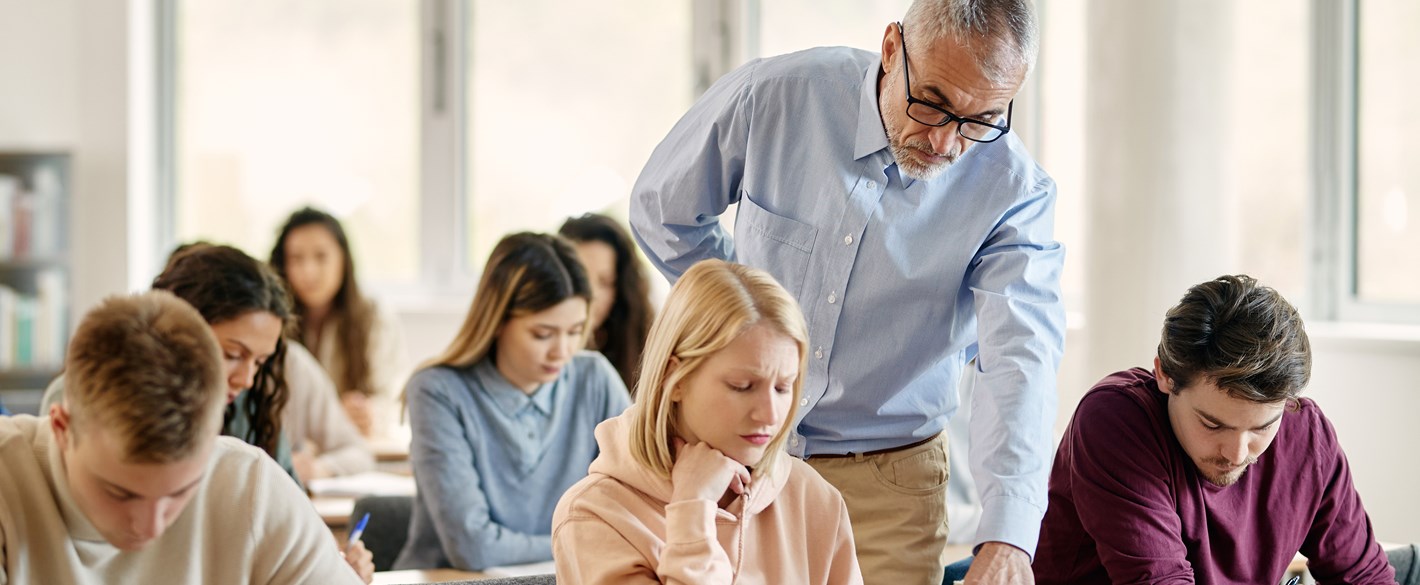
1210, 468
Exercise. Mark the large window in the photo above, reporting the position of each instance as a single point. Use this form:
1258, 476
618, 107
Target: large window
566, 100
556, 106
282, 104
341, 104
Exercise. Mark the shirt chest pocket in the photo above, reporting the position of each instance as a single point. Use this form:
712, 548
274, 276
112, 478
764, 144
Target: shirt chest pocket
775, 243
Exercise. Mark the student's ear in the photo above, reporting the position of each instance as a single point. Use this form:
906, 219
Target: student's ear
671, 367
59, 424
1165, 383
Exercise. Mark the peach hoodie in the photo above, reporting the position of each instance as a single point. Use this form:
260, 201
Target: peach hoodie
615, 526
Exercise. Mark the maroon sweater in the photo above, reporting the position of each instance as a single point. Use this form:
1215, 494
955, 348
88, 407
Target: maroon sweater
1127, 505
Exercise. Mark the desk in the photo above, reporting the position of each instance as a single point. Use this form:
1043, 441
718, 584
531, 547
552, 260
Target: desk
1298, 566
334, 510
426, 576
390, 450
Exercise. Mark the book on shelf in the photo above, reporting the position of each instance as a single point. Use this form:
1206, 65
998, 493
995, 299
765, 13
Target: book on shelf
9, 190
33, 333
30, 214
8, 299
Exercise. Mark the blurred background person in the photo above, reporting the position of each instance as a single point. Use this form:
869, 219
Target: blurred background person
360, 346
621, 304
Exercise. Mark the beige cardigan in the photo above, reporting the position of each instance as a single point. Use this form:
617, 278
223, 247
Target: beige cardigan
389, 367
313, 415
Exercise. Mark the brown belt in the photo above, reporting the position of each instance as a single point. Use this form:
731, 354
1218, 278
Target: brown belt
876, 452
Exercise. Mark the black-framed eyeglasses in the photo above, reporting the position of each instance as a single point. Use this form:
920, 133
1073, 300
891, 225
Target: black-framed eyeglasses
931, 115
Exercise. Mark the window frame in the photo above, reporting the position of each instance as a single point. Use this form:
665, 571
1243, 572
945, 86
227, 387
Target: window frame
1336, 275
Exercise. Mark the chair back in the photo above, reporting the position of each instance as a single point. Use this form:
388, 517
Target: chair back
388, 527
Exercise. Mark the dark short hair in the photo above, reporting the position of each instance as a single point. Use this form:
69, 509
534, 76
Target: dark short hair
1240, 335
148, 368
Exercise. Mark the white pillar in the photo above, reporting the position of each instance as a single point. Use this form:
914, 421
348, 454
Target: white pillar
1157, 170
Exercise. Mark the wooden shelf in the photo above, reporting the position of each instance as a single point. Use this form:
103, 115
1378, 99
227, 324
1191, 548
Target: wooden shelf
27, 378
31, 263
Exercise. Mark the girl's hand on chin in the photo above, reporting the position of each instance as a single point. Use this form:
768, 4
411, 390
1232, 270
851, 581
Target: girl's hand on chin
703, 473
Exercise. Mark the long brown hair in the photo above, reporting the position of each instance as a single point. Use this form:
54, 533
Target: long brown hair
354, 315
622, 335
526, 273
224, 283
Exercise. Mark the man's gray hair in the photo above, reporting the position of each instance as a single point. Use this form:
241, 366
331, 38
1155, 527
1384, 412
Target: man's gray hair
1004, 34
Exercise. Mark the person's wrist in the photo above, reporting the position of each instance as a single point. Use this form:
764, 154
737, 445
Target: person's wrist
1003, 549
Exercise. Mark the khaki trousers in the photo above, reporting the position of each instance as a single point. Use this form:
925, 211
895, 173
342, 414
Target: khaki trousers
897, 502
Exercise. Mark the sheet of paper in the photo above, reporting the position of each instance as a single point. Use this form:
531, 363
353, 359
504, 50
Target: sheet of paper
543, 568
370, 483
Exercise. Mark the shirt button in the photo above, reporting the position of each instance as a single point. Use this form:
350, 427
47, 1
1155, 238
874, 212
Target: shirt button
872, 185
803, 402
818, 353
848, 240
832, 298
793, 441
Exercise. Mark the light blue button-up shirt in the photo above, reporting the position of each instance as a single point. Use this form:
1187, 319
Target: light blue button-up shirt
902, 281
491, 461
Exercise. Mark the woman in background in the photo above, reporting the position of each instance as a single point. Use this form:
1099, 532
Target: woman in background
248, 308
359, 346
692, 484
502, 422
621, 306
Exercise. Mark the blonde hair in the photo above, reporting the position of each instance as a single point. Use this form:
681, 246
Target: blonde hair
711, 305
526, 273
148, 368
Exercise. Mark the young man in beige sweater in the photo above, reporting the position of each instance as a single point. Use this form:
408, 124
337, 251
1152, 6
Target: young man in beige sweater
128, 481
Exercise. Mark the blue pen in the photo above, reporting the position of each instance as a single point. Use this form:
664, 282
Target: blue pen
359, 529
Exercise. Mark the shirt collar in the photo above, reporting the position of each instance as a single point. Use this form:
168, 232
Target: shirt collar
509, 398
872, 136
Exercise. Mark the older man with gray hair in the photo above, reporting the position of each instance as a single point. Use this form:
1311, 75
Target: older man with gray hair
886, 192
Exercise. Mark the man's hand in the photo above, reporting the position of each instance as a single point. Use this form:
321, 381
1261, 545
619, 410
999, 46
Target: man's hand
998, 563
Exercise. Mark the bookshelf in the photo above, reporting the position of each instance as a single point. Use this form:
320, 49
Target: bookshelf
34, 274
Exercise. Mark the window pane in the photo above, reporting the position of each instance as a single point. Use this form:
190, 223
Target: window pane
282, 104
1388, 143
566, 102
